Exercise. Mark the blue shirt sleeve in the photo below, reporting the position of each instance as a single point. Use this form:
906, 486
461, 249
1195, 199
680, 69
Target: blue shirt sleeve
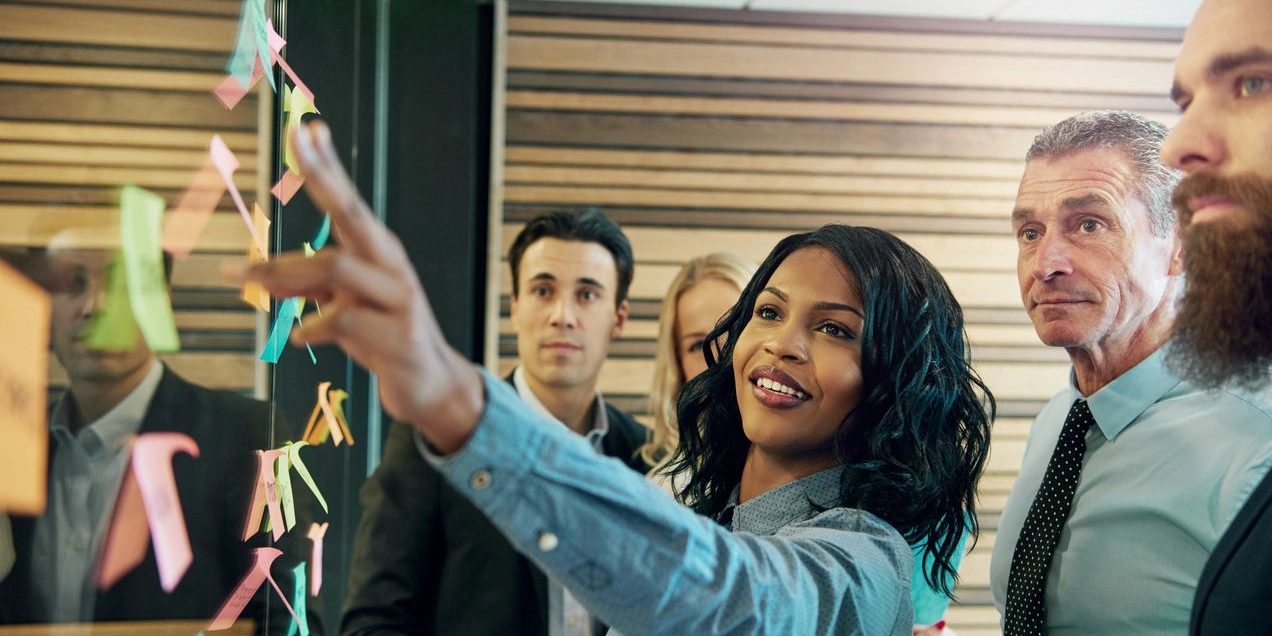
644, 564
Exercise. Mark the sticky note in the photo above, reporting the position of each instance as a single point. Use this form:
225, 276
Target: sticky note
287, 187
332, 415
230, 91
297, 106
324, 233
141, 213
337, 398
128, 536
226, 163
283, 322
253, 293
24, 372
264, 494
276, 44
298, 602
262, 559
182, 227
251, 44
300, 308
316, 532
113, 328
152, 465
293, 455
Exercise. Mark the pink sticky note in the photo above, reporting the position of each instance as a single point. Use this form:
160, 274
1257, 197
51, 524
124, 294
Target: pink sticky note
230, 92
265, 494
152, 464
182, 226
276, 41
226, 163
128, 538
332, 425
316, 532
287, 186
242, 595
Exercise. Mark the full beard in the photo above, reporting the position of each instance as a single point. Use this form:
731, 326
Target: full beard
1223, 332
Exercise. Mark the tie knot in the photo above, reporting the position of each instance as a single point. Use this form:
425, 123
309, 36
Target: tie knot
1079, 420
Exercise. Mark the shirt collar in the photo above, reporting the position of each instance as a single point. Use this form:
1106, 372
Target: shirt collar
796, 501
1121, 401
600, 420
112, 429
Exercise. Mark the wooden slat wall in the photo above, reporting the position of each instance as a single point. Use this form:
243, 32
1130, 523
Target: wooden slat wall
95, 94
705, 130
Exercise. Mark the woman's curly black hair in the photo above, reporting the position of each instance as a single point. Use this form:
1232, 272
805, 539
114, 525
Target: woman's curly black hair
919, 437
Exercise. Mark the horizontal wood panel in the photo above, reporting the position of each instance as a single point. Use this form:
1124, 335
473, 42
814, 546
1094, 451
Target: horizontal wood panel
88, 175
99, 105
33, 226
1017, 71
78, 25
798, 109
140, 136
59, 74
121, 156
764, 163
842, 38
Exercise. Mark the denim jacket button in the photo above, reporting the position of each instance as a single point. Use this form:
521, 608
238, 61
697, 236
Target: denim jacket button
547, 541
480, 480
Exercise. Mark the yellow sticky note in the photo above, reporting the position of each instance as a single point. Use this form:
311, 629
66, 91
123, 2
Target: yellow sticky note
24, 369
253, 293
141, 220
298, 105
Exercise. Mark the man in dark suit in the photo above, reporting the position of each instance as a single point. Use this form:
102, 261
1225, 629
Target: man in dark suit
111, 396
425, 559
1223, 86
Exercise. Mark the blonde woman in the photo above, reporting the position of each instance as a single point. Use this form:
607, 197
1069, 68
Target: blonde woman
700, 294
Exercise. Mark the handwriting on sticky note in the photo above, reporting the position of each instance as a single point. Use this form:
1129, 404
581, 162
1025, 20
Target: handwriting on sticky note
128, 536
264, 494
182, 227
293, 454
233, 606
298, 602
282, 478
226, 163
24, 369
253, 293
141, 213
152, 465
316, 532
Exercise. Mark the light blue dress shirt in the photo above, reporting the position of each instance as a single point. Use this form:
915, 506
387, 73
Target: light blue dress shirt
644, 564
1167, 467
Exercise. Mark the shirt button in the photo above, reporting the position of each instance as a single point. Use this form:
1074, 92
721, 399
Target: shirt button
480, 480
547, 541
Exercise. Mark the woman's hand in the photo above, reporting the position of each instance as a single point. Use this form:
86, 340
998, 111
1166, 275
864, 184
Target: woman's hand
373, 304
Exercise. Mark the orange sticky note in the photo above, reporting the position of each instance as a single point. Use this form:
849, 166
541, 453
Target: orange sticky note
316, 532
252, 581
24, 371
265, 494
183, 225
253, 293
128, 538
152, 464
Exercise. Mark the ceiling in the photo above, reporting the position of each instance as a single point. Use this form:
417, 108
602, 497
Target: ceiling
1140, 13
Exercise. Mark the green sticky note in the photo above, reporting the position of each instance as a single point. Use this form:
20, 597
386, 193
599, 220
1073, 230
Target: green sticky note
141, 222
293, 455
113, 327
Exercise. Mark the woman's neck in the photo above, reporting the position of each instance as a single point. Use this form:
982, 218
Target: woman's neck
764, 471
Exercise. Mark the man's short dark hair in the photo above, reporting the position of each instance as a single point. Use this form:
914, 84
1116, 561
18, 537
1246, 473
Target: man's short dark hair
588, 225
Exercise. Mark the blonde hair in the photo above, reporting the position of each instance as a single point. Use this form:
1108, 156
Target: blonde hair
668, 379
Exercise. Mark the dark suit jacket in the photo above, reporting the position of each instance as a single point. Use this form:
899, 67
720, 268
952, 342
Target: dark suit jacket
215, 490
426, 561
1234, 595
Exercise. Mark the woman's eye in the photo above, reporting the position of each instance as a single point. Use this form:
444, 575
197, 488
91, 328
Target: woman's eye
696, 346
835, 331
1253, 85
766, 313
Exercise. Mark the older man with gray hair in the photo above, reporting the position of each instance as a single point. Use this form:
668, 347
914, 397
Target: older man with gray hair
1131, 474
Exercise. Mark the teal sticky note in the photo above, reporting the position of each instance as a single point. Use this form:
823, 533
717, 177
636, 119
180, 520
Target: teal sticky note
298, 603
141, 225
281, 330
251, 44
324, 233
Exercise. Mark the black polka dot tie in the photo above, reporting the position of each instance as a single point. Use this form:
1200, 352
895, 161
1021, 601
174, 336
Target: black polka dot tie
1027, 582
